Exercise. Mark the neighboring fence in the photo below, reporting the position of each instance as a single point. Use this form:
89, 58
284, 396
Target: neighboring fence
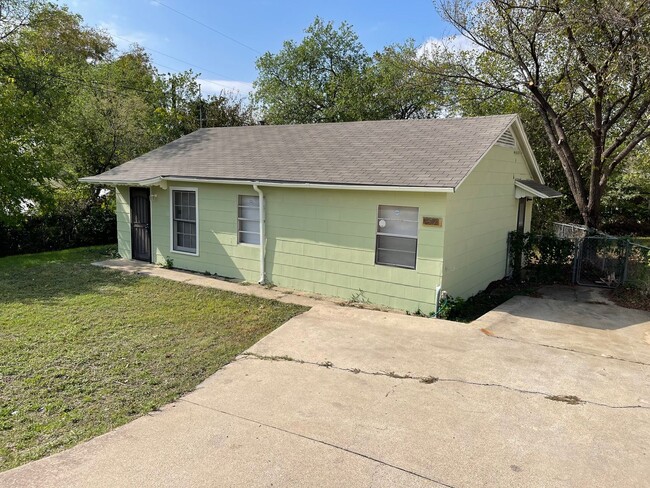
577, 254
570, 231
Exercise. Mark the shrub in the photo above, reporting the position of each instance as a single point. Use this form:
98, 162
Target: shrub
545, 257
71, 223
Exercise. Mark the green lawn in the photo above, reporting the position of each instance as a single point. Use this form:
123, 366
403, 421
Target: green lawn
84, 349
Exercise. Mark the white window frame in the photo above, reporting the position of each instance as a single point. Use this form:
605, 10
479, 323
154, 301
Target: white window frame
416, 238
172, 233
241, 219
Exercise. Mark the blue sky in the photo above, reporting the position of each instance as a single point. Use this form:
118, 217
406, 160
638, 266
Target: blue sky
262, 25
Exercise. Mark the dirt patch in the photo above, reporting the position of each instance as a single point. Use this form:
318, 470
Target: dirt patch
631, 298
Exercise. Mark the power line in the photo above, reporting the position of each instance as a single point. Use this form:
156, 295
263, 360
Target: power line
176, 71
174, 58
207, 26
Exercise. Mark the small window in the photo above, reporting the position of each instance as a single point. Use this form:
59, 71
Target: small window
184, 218
397, 236
248, 220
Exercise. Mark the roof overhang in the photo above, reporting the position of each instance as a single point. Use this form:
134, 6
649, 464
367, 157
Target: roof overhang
531, 188
162, 181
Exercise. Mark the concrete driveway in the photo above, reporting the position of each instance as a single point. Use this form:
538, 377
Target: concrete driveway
537, 393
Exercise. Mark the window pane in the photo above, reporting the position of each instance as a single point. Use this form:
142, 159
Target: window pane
249, 213
398, 220
396, 251
249, 201
248, 219
399, 244
394, 258
249, 225
249, 238
184, 214
393, 222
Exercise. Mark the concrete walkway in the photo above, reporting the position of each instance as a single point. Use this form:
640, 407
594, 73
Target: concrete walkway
340, 396
190, 278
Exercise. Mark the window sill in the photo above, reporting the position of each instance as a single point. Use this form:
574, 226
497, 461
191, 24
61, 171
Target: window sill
246, 244
184, 253
397, 266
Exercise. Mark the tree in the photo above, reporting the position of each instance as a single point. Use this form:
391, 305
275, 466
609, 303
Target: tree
42, 48
314, 81
398, 89
583, 65
224, 110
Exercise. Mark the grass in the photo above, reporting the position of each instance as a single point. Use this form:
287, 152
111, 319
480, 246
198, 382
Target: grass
84, 349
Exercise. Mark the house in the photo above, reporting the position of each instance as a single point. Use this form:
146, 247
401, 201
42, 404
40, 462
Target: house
391, 211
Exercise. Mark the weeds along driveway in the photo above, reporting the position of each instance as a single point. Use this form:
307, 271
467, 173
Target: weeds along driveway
346, 397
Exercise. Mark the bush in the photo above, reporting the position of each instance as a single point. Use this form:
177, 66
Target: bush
69, 224
545, 258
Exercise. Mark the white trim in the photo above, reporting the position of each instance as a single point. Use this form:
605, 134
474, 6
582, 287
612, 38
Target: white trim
240, 219
171, 219
416, 238
528, 191
524, 146
260, 193
162, 180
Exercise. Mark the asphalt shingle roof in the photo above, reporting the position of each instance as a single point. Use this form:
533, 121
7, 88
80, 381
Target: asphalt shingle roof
411, 153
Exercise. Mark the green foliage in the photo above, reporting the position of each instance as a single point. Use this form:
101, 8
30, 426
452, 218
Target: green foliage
329, 77
70, 222
582, 66
545, 257
497, 292
169, 263
71, 107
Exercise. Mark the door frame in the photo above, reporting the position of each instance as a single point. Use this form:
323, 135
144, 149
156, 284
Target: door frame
148, 225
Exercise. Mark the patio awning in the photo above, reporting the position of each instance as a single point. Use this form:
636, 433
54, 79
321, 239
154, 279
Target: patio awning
531, 188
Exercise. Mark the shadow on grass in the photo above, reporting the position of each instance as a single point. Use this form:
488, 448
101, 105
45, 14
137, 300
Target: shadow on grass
53, 275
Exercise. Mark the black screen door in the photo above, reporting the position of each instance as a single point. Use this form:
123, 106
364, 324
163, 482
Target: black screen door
140, 224
521, 215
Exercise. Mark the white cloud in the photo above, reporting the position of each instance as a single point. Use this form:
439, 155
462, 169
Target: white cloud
449, 43
214, 87
123, 40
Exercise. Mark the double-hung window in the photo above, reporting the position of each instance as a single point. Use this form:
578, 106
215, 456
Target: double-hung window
248, 219
184, 237
397, 236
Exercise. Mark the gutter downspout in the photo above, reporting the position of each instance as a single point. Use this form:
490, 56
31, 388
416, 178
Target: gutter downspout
262, 235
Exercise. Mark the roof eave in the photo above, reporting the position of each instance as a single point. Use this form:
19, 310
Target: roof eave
162, 181
534, 192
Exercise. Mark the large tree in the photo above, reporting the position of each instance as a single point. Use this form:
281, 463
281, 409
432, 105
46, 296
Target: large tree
318, 80
329, 77
582, 65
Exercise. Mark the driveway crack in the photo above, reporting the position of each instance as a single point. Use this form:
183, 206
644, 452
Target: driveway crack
320, 441
569, 399
491, 334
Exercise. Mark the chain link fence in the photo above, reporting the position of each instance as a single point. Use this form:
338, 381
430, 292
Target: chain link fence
579, 255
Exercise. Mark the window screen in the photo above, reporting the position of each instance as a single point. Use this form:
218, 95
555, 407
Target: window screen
184, 216
248, 219
397, 236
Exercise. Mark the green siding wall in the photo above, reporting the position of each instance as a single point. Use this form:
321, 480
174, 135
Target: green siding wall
479, 216
324, 241
320, 241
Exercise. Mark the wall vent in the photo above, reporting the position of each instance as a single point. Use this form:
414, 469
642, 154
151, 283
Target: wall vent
507, 139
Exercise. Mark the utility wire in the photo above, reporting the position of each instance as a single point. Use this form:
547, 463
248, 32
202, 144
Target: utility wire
207, 26
174, 58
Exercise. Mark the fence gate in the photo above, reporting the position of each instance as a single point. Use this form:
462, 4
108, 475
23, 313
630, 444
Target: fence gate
601, 261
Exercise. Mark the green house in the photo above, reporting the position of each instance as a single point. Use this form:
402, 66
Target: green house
401, 210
